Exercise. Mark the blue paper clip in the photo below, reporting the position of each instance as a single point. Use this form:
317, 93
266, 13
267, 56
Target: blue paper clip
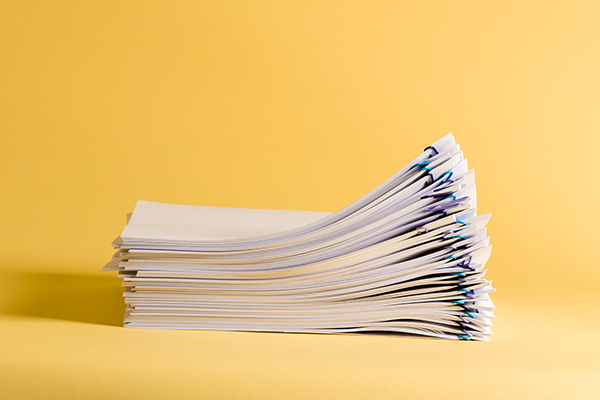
449, 173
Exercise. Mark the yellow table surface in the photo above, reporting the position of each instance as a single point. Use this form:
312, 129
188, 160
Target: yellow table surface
61, 338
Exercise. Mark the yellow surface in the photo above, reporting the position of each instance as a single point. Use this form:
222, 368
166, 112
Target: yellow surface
293, 105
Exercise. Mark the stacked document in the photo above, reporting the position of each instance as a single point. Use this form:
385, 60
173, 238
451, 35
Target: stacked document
406, 259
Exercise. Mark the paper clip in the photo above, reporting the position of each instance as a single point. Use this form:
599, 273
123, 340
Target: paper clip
420, 164
449, 173
466, 263
432, 148
439, 195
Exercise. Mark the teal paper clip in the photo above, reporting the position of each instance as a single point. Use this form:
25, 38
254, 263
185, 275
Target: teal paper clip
461, 222
459, 274
450, 258
469, 314
425, 169
449, 173
460, 303
459, 237
420, 164
463, 337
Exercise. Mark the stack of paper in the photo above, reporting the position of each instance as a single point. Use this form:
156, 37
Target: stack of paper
408, 258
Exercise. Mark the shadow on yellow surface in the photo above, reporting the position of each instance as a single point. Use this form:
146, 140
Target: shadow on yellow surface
73, 297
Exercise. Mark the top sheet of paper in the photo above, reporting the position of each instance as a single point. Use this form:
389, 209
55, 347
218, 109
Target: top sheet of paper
198, 223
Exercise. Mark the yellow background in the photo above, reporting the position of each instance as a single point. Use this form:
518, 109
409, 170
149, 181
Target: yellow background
293, 105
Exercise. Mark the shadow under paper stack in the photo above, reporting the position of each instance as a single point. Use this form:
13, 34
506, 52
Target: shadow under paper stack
408, 258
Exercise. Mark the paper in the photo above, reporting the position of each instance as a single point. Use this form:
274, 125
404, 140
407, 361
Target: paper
407, 258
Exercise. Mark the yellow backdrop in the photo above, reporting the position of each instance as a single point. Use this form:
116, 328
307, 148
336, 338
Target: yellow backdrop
293, 105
